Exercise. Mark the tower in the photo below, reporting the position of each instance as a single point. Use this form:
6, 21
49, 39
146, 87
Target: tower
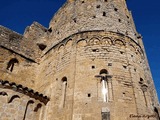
90, 64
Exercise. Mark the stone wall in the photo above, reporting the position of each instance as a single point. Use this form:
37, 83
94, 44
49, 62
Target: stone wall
92, 15
79, 58
28, 45
17, 69
90, 45
19, 102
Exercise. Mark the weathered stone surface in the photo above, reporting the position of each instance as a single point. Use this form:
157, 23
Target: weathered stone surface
90, 64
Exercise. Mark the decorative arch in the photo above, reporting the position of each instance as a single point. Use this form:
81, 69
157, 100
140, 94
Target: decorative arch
13, 97
107, 41
61, 51
119, 42
28, 103
131, 46
139, 51
68, 43
81, 43
61, 47
94, 41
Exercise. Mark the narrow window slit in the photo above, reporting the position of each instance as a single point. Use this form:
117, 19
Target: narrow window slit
104, 13
64, 87
89, 95
93, 67
115, 9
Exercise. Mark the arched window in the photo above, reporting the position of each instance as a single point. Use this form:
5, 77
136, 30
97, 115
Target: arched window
105, 86
144, 88
12, 98
64, 86
28, 103
11, 64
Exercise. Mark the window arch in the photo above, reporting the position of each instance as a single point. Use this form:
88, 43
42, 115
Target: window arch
94, 41
64, 79
11, 64
28, 103
63, 88
103, 71
13, 97
104, 86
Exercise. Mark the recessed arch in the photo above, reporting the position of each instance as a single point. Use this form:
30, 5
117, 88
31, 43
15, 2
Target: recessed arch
119, 42
68, 43
103, 71
107, 41
28, 103
13, 97
94, 41
81, 43
61, 50
139, 51
64, 79
61, 47
131, 46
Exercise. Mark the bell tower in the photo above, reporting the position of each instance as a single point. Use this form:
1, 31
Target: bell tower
108, 76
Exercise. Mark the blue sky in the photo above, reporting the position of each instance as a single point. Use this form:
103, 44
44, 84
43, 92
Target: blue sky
17, 14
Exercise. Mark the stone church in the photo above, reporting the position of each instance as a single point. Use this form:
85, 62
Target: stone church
90, 64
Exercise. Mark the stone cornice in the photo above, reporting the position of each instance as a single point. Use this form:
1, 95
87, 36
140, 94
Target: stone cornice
24, 90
